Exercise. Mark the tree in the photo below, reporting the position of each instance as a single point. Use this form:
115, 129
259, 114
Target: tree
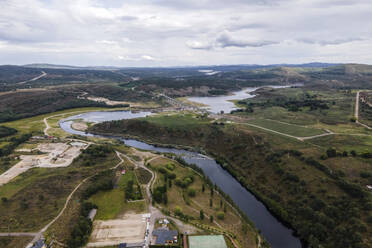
331, 152
191, 192
24, 204
178, 211
353, 153
220, 215
202, 214
170, 183
165, 198
245, 228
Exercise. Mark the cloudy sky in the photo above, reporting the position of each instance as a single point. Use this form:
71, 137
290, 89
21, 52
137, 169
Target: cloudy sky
184, 32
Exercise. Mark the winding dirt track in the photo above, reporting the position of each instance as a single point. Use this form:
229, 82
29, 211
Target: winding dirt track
356, 113
43, 74
41, 232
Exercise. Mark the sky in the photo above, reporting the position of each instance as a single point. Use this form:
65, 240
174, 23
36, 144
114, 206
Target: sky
152, 33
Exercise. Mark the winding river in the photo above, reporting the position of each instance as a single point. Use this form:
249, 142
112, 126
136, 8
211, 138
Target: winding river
278, 235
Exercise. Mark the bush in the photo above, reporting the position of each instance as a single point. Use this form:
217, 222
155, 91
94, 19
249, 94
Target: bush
201, 214
366, 155
80, 234
331, 152
6, 131
365, 174
178, 211
170, 167
159, 194
191, 192
220, 215
102, 181
369, 219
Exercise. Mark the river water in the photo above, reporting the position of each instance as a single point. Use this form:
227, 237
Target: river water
278, 235
216, 104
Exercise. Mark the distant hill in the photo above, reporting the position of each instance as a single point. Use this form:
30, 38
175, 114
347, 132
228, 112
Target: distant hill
211, 67
52, 66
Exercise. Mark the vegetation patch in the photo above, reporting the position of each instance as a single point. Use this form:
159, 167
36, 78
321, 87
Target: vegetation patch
291, 183
290, 129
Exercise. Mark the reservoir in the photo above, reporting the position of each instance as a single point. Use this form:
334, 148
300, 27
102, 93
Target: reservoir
216, 104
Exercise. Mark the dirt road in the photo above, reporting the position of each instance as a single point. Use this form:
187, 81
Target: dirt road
356, 114
41, 232
43, 74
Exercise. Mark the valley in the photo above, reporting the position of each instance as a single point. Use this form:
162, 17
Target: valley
137, 153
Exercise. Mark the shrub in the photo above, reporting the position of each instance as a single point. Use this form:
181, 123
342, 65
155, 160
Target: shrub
365, 174
178, 211
191, 192
220, 215
201, 214
170, 167
331, 152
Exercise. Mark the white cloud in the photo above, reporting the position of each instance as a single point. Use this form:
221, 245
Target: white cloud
199, 45
138, 33
147, 57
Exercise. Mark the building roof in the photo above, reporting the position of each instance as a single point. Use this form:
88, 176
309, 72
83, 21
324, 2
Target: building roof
164, 235
92, 214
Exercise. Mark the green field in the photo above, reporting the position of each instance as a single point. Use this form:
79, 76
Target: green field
290, 129
112, 203
266, 105
172, 120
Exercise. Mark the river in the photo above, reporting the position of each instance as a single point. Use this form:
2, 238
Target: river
278, 235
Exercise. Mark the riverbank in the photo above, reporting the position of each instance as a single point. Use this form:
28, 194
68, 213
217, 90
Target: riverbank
260, 197
280, 171
266, 225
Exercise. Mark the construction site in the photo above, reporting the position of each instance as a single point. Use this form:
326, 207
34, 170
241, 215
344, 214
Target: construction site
51, 155
129, 230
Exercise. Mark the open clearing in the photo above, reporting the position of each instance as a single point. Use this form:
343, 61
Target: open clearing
291, 129
129, 229
57, 155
